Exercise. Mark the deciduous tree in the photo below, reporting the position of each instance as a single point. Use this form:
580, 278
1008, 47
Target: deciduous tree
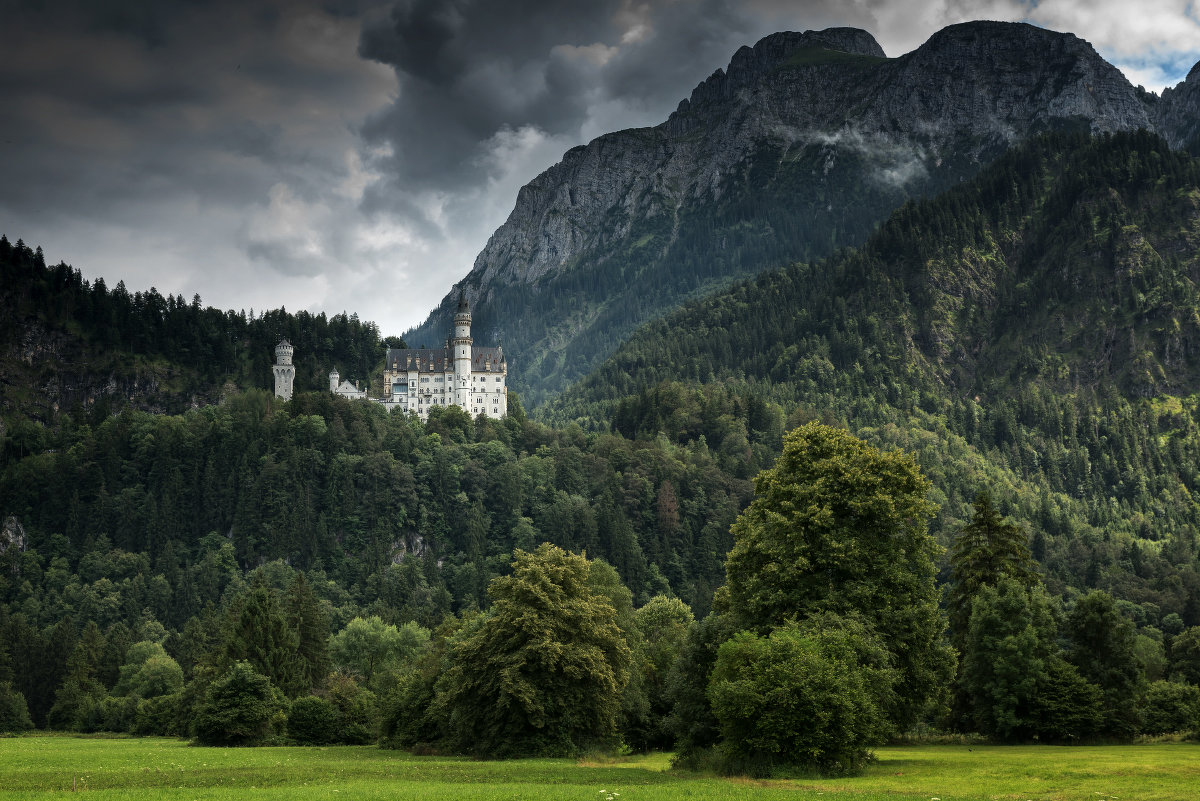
836, 526
543, 672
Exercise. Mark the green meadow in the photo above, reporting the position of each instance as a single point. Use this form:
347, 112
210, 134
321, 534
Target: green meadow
45, 767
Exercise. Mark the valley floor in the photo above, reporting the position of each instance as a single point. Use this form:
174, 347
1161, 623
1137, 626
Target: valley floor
49, 766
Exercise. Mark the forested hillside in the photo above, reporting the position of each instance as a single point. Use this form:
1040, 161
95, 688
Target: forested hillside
1033, 331
157, 518
68, 344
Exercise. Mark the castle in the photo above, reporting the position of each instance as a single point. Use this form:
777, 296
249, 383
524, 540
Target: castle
462, 374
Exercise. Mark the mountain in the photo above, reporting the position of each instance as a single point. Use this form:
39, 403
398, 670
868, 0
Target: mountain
803, 145
1033, 331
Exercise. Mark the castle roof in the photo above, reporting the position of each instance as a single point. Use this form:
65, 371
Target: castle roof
441, 360
485, 359
463, 306
424, 360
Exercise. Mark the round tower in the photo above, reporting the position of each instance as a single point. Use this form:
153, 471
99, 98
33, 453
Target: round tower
333, 380
285, 372
461, 345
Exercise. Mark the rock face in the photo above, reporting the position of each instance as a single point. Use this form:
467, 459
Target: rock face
819, 124
1177, 116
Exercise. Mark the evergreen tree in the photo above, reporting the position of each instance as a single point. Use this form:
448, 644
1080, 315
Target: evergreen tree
986, 549
311, 624
257, 633
237, 709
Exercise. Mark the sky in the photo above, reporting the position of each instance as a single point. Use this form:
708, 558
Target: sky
354, 155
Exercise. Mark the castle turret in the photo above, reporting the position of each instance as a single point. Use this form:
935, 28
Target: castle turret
333, 380
460, 344
285, 372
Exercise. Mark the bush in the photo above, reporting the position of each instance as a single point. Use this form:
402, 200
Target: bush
14, 713
117, 714
312, 721
811, 697
407, 719
239, 708
357, 708
158, 715
1169, 707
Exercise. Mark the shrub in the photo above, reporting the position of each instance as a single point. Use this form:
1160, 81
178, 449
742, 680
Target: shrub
312, 721
14, 713
357, 708
239, 708
1170, 707
158, 715
117, 714
811, 697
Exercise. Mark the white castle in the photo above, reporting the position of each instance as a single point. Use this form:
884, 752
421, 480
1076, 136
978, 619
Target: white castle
462, 374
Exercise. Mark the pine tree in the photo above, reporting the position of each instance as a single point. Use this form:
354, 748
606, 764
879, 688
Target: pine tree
258, 633
311, 624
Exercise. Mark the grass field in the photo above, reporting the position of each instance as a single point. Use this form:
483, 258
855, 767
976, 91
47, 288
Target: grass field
45, 767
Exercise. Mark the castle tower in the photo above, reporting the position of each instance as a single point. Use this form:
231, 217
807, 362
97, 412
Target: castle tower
285, 372
333, 380
461, 345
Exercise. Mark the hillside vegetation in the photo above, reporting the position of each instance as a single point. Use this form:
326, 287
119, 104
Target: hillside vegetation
1033, 331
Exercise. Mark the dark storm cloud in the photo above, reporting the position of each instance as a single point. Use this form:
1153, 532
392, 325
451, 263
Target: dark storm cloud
470, 71
177, 118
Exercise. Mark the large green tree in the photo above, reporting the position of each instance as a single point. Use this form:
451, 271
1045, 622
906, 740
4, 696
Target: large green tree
544, 671
837, 526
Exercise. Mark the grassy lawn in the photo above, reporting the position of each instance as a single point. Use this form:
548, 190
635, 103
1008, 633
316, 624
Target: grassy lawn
40, 767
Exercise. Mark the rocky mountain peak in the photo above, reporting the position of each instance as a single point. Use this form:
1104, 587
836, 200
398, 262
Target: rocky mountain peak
774, 50
1015, 79
750, 64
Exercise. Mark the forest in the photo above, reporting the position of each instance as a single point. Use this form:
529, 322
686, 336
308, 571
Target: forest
941, 483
